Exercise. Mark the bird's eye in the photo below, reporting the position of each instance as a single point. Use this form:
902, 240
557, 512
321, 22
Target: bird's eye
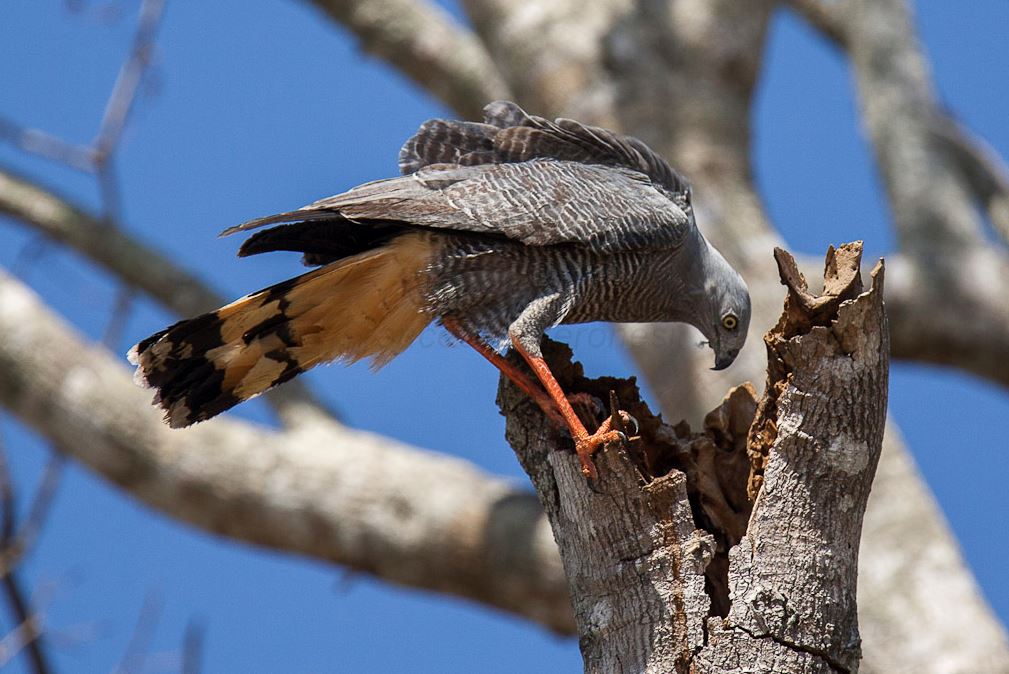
729, 322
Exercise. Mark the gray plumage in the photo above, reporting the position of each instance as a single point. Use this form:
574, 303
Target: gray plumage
500, 229
545, 223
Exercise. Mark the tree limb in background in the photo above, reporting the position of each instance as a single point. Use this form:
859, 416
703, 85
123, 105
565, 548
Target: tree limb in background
423, 42
636, 545
102, 239
984, 170
15, 540
136, 265
404, 515
829, 17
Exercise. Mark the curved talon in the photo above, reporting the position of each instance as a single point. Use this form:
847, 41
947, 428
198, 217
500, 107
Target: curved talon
630, 418
588, 445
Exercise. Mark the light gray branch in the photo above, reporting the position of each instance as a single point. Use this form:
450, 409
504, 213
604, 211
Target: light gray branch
930, 203
953, 311
424, 43
131, 262
985, 172
918, 584
827, 16
404, 515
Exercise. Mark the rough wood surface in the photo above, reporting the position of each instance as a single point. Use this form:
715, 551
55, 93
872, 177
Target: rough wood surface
639, 546
819, 431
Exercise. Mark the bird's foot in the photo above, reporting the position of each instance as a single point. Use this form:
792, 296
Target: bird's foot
609, 431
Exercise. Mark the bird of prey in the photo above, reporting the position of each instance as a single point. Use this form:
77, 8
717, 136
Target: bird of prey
496, 230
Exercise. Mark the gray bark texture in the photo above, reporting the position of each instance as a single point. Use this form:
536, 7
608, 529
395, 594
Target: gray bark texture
671, 567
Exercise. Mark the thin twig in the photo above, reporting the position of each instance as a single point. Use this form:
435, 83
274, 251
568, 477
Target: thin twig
143, 632
17, 546
7, 500
192, 647
48, 146
28, 633
124, 92
125, 298
120, 103
29, 625
96, 158
101, 239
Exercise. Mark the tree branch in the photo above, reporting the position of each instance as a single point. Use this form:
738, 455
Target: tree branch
829, 17
424, 43
135, 264
985, 172
952, 311
28, 623
404, 515
931, 204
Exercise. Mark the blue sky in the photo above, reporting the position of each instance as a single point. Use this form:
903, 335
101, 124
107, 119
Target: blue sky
259, 107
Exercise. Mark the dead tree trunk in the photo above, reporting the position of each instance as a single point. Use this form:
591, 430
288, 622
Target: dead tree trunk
736, 548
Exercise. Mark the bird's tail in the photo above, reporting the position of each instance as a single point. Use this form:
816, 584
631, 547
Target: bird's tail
367, 305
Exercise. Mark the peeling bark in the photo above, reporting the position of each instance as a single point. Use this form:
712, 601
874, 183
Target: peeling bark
640, 546
793, 577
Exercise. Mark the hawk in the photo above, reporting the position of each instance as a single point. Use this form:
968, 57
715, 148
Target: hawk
497, 231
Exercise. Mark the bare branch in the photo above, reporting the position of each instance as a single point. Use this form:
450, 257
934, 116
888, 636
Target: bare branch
428, 46
47, 146
985, 171
916, 582
930, 205
376, 506
962, 321
192, 648
135, 264
20, 541
827, 16
143, 632
28, 633
120, 102
124, 257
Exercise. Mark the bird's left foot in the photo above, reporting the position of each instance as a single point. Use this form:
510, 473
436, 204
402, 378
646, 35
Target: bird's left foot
608, 432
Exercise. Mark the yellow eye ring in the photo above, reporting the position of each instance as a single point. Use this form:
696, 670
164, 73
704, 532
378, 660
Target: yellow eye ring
729, 322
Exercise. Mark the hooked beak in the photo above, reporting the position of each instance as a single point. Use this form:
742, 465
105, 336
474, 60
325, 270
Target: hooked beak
724, 360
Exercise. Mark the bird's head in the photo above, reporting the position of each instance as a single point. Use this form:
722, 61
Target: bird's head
726, 316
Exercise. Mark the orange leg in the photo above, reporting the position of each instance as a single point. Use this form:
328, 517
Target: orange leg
518, 377
585, 445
